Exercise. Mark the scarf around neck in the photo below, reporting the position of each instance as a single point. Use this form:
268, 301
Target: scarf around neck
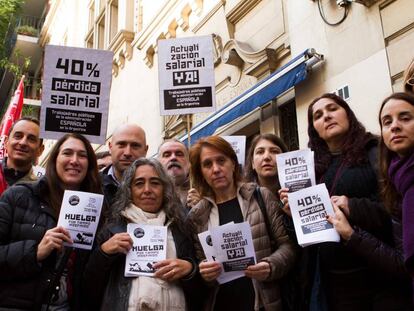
401, 173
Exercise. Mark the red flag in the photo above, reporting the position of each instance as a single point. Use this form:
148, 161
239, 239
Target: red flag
13, 113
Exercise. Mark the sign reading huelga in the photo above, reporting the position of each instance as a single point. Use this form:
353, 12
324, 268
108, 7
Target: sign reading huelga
76, 90
186, 75
79, 214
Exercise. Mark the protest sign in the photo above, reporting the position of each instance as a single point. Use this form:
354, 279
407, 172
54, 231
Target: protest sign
211, 255
186, 75
149, 246
76, 89
79, 214
38, 171
239, 146
309, 208
296, 169
234, 246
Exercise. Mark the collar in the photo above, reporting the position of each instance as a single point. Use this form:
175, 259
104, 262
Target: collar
112, 174
12, 175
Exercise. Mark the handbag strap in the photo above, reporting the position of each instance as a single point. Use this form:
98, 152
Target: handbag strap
259, 198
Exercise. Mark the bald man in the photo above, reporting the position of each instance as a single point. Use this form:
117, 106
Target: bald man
127, 144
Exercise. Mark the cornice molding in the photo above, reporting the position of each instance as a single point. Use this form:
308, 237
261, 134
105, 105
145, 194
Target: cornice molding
240, 10
121, 46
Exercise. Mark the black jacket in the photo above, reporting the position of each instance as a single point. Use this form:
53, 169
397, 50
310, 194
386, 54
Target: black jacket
109, 185
24, 219
107, 287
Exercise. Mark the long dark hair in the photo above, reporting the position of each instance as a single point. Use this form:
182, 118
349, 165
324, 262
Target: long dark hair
250, 174
389, 194
221, 145
355, 143
91, 183
171, 203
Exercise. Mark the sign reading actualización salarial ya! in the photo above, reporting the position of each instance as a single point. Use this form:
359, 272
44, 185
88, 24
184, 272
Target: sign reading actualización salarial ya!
186, 75
76, 89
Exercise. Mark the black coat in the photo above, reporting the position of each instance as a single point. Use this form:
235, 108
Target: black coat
24, 219
107, 287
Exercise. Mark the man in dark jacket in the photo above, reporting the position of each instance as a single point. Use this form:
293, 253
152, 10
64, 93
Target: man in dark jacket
128, 143
23, 147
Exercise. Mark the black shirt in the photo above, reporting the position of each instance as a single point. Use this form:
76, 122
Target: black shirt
237, 294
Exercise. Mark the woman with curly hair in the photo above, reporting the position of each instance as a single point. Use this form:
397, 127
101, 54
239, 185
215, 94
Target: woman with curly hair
146, 196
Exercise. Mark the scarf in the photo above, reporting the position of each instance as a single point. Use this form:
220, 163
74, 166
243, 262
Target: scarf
150, 293
401, 172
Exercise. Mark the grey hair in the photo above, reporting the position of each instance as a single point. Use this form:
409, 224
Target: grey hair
171, 203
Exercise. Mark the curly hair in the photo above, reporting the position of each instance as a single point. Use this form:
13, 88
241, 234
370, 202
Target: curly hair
171, 203
219, 144
91, 182
250, 175
355, 142
389, 194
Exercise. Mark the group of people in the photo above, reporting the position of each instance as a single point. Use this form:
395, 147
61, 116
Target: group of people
369, 178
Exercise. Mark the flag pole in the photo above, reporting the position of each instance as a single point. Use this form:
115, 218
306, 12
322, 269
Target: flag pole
189, 140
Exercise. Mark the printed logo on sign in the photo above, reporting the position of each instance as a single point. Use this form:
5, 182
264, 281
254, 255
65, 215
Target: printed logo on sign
208, 240
139, 233
236, 253
74, 200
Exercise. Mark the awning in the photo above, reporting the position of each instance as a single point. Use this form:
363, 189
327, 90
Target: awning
271, 87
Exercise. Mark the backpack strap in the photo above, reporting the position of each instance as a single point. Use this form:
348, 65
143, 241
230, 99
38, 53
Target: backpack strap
259, 198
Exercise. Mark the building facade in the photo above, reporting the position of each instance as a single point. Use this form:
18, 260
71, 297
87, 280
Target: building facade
254, 40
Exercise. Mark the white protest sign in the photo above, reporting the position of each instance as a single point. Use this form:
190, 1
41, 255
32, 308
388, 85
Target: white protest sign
76, 89
296, 169
186, 75
234, 246
211, 255
38, 171
239, 146
79, 214
309, 208
149, 246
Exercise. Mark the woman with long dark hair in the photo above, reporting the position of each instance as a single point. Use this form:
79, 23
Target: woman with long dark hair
36, 270
346, 161
396, 119
261, 166
146, 196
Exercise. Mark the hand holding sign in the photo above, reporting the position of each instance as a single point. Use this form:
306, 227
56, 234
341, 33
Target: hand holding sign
260, 271
210, 270
118, 243
53, 239
340, 222
172, 269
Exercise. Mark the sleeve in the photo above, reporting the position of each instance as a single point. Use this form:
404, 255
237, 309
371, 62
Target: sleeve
385, 258
283, 258
97, 271
18, 259
370, 216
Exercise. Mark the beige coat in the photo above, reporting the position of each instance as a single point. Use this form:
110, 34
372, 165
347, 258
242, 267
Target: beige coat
280, 261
